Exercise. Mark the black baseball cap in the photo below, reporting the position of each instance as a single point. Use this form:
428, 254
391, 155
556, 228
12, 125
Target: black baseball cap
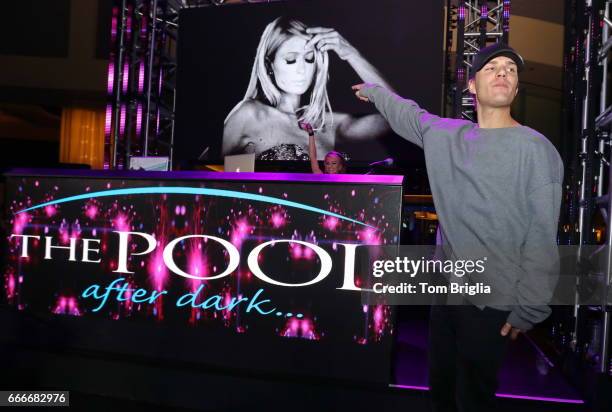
495, 50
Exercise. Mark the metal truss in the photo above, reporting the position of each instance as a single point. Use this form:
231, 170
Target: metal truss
587, 126
597, 115
475, 24
141, 80
141, 93
161, 79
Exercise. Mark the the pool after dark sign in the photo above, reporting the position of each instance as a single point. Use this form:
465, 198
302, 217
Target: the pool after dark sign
223, 272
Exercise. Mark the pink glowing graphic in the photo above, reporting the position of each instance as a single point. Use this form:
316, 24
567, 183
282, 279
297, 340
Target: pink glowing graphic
50, 210
277, 220
20, 222
228, 314
11, 286
379, 323
69, 230
196, 261
330, 223
240, 231
379, 319
121, 222
127, 304
157, 269
300, 328
369, 236
180, 210
298, 251
91, 211
67, 305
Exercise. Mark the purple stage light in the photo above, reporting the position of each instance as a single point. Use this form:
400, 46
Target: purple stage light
539, 398
502, 395
506, 18
215, 176
110, 78
161, 77
126, 76
122, 119
484, 11
461, 12
460, 74
114, 24
109, 120
143, 26
128, 22
138, 118
413, 387
157, 121
141, 72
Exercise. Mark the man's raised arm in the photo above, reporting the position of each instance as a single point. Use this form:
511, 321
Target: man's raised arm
405, 117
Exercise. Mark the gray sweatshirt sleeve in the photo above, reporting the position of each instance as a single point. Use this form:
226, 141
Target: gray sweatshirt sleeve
405, 117
540, 258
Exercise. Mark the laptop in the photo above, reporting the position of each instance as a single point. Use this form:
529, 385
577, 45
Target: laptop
239, 163
155, 163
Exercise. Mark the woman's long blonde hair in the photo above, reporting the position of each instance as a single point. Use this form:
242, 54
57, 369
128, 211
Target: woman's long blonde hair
261, 85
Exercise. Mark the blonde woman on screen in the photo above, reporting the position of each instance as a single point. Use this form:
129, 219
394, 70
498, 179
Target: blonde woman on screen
288, 85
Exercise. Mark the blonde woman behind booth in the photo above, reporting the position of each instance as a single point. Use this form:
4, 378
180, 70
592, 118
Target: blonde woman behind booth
288, 85
333, 163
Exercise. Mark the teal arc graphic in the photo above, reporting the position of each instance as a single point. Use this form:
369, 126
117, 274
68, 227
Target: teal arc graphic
194, 191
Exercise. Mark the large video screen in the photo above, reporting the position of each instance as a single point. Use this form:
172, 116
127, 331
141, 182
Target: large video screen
202, 271
249, 73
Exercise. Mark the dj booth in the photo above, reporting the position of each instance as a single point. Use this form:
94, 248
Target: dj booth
239, 273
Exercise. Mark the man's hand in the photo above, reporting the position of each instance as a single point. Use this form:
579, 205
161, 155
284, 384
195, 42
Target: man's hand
507, 328
357, 88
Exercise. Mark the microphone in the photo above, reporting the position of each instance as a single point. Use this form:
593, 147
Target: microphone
204, 154
384, 163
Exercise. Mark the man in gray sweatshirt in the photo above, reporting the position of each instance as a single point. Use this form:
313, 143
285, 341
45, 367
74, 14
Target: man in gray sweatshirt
496, 188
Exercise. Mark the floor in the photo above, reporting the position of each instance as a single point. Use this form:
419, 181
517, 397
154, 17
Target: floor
525, 374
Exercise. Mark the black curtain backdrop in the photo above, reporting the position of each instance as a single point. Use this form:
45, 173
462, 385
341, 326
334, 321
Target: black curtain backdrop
217, 45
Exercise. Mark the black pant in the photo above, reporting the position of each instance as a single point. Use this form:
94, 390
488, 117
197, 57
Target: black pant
465, 353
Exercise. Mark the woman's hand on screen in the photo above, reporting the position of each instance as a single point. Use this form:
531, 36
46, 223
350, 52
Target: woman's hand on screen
325, 39
306, 127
